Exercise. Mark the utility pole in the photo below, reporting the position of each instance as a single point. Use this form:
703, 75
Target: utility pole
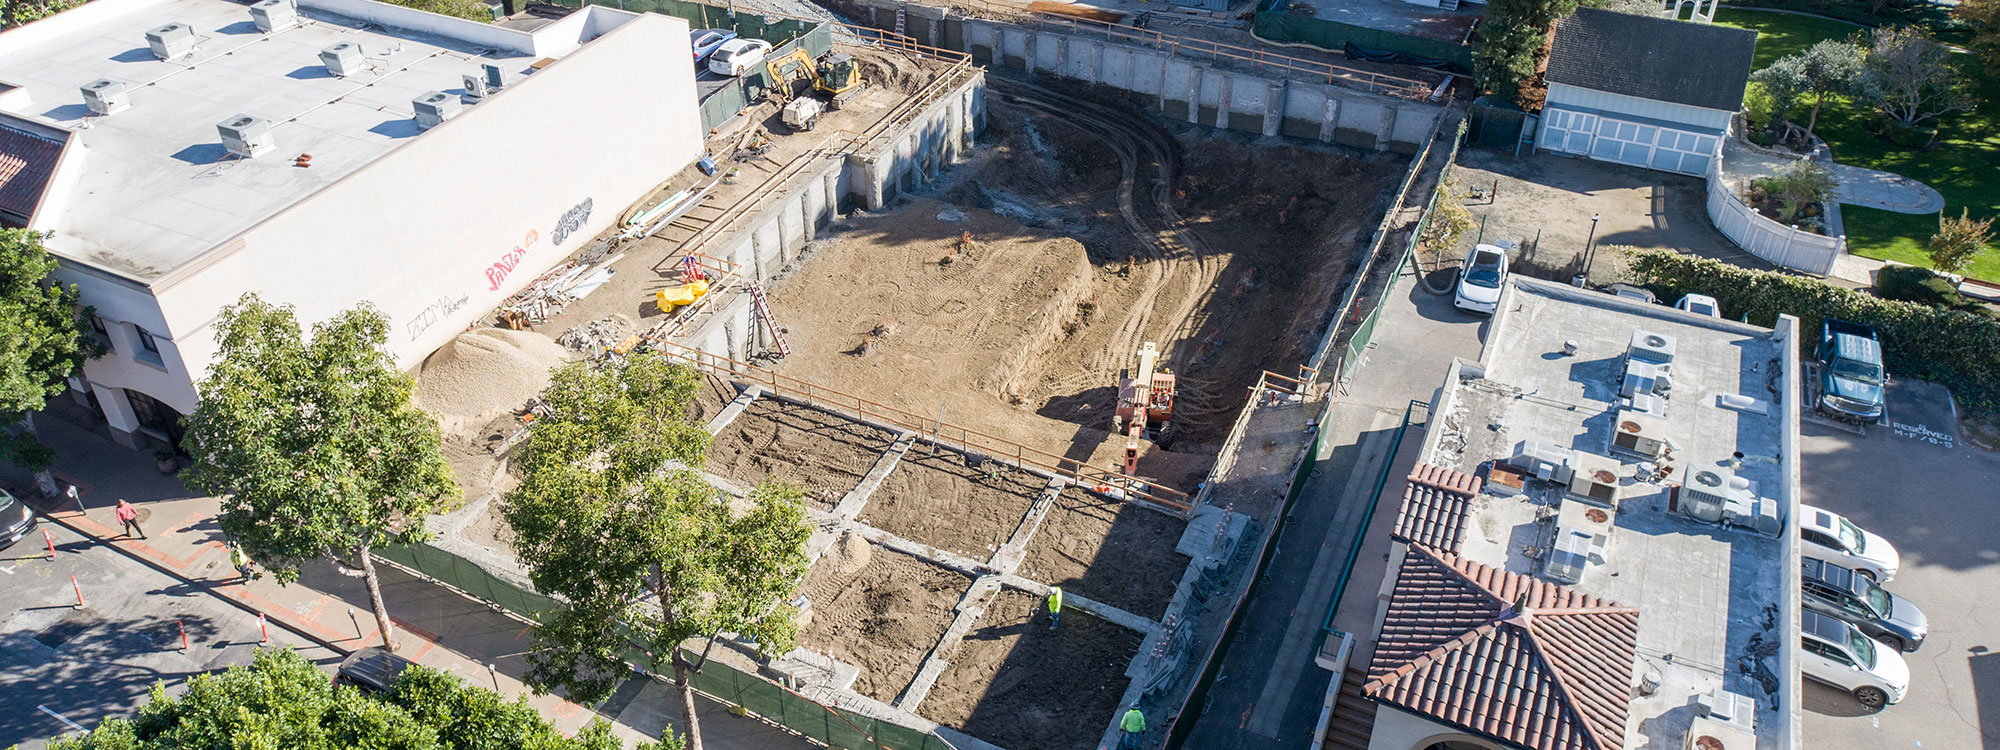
1589, 254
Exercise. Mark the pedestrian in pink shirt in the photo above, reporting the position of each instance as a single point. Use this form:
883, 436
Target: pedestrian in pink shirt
129, 516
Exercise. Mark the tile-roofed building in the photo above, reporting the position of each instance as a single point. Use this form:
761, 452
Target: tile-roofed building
1504, 656
1643, 90
28, 161
1435, 501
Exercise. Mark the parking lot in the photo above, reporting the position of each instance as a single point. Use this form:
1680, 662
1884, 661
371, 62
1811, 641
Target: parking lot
1934, 496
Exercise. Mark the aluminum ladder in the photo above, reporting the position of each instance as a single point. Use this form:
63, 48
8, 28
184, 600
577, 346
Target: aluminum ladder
770, 321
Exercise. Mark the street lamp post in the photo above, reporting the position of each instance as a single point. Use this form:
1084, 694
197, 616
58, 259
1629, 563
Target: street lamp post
1589, 253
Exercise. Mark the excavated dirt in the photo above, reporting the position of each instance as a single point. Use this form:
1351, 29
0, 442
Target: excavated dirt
1016, 683
1014, 302
715, 394
879, 610
824, 454
940, 501
1116, 553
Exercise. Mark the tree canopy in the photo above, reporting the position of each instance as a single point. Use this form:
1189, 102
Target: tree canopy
1515, 45
612, 517
40, 342
281, 700
1911, 78
314, 445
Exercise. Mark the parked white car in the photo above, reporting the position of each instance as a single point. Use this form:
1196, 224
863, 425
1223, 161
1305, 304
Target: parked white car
1838, 654
738, 56
1826, 535
1480, 278
1699, 304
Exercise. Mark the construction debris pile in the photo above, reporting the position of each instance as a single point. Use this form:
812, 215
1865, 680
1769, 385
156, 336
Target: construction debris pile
549, 294
595, 337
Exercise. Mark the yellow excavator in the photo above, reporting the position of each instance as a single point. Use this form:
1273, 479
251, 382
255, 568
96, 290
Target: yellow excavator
836, 78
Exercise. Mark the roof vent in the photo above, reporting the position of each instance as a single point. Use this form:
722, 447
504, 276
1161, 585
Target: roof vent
274, 15
342, 59
246, 136
106, 97
436, 107
171, 41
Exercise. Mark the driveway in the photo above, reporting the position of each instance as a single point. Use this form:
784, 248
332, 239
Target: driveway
1544, 203
1931, 494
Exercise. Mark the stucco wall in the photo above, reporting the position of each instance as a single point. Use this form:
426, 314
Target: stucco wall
428, 232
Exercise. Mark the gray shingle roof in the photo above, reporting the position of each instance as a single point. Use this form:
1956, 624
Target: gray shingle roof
1684, 62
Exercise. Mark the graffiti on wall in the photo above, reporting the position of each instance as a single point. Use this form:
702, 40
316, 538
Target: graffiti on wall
510, 260
429, 316
571, 221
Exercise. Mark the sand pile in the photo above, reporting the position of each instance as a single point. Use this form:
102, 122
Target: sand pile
485, 373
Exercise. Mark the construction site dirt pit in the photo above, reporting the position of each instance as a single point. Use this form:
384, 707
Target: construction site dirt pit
1018, 683
1011, 298
1113, 552
880, 610
945, 501
824, 454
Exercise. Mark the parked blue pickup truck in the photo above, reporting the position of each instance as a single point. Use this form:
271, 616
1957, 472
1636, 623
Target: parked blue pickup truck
1850, 374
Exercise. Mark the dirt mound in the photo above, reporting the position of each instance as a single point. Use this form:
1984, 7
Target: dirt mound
485, 373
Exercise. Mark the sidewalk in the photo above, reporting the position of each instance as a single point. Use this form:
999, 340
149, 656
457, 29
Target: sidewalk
437, 627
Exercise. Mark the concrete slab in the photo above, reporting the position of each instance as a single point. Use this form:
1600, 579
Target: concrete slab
850, 506
1008, 558
733, 410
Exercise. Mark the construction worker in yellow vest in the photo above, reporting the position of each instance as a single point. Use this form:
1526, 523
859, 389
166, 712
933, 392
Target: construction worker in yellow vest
1133, 724
1055, 606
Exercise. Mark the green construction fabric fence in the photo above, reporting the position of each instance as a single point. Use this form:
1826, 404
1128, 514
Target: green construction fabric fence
1278, 26
831, 726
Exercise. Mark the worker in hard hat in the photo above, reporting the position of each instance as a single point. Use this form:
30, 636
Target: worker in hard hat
1055, 606
1132, 725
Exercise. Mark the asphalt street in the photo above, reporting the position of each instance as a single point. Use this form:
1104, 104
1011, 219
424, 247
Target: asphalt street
1932, 495
64, 666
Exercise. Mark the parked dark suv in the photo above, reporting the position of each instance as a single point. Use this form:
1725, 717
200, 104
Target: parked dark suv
373, 670
17, 521
1839, 593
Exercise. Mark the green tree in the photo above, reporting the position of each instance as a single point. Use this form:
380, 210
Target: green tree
1982, 18
281, 700
1783, 83
1514, 47
16, 12
1958, 240
610, 517
40, 343
314, 445
1828, 68
1911, 78
1799, 184
471, 10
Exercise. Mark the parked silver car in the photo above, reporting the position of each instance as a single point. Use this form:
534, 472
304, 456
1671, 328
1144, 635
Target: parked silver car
1832, 590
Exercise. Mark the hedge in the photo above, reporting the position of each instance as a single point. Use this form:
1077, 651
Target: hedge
1958, 349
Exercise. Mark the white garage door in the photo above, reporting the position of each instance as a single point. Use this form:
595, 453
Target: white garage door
1625, 142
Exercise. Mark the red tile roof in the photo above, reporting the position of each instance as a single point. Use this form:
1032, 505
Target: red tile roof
1435, 502
27, 161
1555, 675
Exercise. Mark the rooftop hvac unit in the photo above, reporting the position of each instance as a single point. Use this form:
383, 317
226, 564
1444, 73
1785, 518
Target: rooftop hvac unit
1646, 377
171, 41
1759, 514
1568, 556
1712, 494
1646, 403
1638, 433
105, 96
498, 78
1727, 707
1589, 519
1594, 477
475, 86
436, 107
246, 136
274, 15
1647, 346
343, 59
1544, 460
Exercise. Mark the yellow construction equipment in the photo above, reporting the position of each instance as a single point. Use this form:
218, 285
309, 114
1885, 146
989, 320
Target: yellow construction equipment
835, 77
1145, 406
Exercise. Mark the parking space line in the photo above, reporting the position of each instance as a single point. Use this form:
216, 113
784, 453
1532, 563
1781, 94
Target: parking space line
63, 719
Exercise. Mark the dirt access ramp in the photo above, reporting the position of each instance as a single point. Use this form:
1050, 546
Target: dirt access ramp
1011, 305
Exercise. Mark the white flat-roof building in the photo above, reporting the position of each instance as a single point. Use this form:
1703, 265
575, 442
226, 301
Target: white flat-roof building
1591, 552
185, 152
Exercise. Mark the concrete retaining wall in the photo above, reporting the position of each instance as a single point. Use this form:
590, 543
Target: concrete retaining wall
1180, 88
772, 237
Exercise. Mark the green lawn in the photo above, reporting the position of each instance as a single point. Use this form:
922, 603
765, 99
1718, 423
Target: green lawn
1964, 165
